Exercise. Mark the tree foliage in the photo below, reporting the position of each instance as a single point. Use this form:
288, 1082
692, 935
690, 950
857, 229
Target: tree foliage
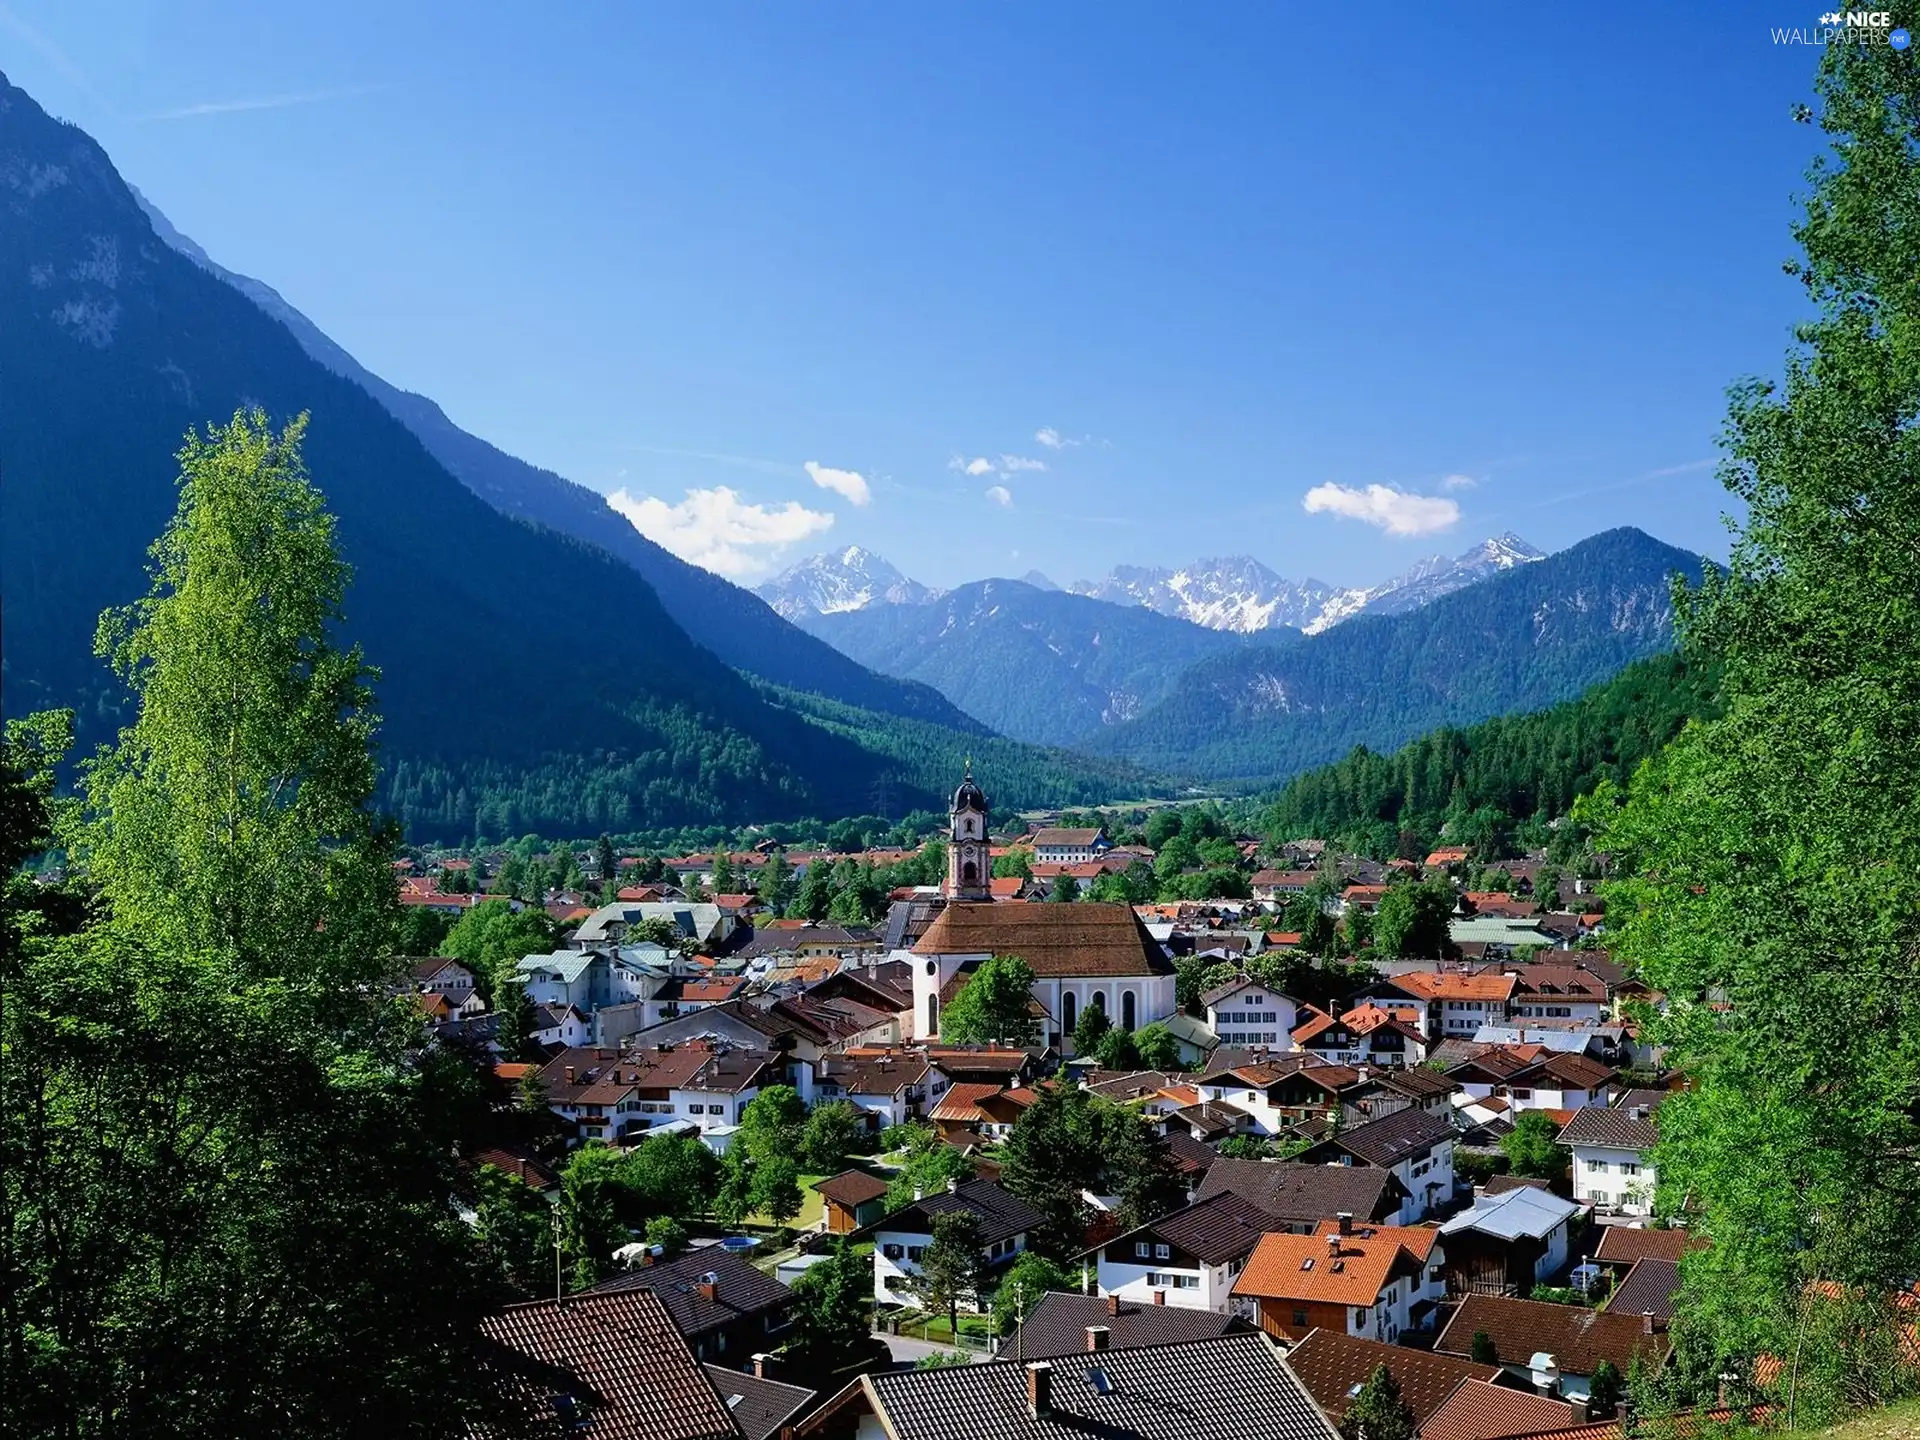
1068, 1141
1770, 857
1378, 1412
225, 1174
994, 1007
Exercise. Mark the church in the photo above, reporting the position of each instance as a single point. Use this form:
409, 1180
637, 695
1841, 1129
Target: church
1081, 954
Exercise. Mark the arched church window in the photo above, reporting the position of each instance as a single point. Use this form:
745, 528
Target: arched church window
1126, 1010
933, 1014
1069, 1011
969, 872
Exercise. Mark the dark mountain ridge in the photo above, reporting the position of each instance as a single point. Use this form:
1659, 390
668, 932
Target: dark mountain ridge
497, 718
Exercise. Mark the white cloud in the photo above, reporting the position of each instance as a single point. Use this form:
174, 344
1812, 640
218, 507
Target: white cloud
1009, 464
719, 531
1394, 511
1458, 482
979, 465
1000, 495
850, 484
259, 102
1053, 439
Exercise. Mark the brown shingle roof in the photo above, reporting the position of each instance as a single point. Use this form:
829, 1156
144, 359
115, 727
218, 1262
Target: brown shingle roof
851, 1188
959, 1106
1230, 1388
1390, 1139
1082, 939
623, 1373
1331, 1365
1625, 1127
738, 1289
1482, 1411
1623, 1244
1057, 1325
1213, 1230
1578, 1338
1305, 1194
1649, 1289
759, 1407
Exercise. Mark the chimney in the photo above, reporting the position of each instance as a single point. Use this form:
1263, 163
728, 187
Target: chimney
1333, 1245
1159, 1297
1582, 1408
919, 1192
706, 1286
953, 1185
1040, 1390
1345, 1217
759, 1358
1113, 1304
570, 1074
1097, 1336
1649, 1325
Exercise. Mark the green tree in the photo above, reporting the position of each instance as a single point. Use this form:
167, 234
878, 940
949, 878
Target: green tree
1482, 1350
1533, 1149
1769, 858
422, 930
995, 1006
1605, 1389
669, 1234
950, 1270
930, 1164
1162, 826
1157, 1047
775, 888
816, 893
772, 1124
833, 1312
1116, 1051
723, 876
673, 1175
832, 1131
1017, 863
592, 1190
1068, 1141
493, 937
776, 1189
606, 860
1064, 890
1378, 1412
1413, 920
1089, 1028
515, 1229
1025, 1283
222, 1026
513, 1030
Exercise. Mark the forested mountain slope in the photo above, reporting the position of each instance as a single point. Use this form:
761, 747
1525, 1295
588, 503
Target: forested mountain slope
1527, 638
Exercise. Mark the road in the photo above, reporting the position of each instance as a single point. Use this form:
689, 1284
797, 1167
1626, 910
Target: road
906, 1351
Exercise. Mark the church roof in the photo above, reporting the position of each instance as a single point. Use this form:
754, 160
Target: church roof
1085, 938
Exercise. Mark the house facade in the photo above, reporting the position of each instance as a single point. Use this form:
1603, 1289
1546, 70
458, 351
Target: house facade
1246, 1012
1189, 1258
1369, 1282
1613, 1166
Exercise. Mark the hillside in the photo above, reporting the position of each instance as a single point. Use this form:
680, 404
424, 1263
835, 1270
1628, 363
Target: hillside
732, 622
1524, 639
501, 714
1038, 665
1520, 765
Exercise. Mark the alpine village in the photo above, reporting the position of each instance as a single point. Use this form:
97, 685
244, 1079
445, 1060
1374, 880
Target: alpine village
792, 1017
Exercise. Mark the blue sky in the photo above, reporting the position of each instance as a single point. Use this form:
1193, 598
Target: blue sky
1446, 269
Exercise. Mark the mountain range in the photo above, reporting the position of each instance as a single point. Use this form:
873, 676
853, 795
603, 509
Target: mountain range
1234, 592
501, 713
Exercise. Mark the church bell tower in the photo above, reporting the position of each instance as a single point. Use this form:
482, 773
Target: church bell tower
969, 864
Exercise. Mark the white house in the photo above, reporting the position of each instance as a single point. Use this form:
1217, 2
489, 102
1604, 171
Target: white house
561, 1025
890, 1088
1414, 1145
1375, 1282
591, 979
1612, 1167
1246, 1012
900, 1239
1189, 1258
1526, 1080
1371, 1035
1056, 846
1454, 1004
437, 975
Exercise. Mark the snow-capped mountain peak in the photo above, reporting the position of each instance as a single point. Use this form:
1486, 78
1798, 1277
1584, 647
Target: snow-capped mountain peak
1239, 593
849, 579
